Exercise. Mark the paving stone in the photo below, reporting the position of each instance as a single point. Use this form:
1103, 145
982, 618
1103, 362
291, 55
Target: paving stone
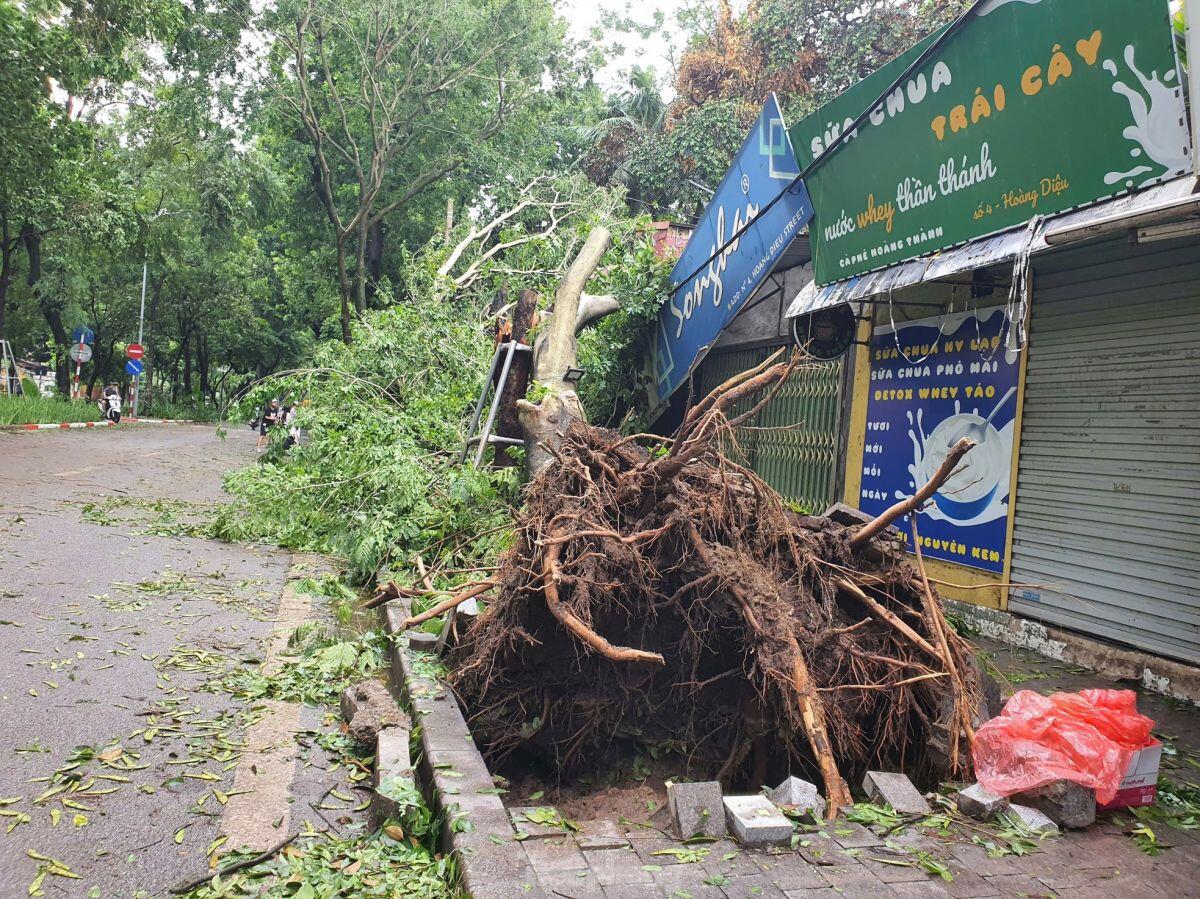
852, 877
727, 858
617, 867
498, 872
1031, 817
896, 790
980, 803
552, 856
696, 809
633, 891
917, 889
902, 873
1016, 884
572, 884
507, 889
534, 830
1064, 802
789, 871
601, 835
755, 821
751, 886
852, 835
968, 885
678, 880
800, 796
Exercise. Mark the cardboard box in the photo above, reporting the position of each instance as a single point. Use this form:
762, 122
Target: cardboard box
1139, 786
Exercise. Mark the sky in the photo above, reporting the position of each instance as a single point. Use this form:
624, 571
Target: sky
654, 52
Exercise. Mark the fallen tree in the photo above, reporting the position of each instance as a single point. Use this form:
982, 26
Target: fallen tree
672, 598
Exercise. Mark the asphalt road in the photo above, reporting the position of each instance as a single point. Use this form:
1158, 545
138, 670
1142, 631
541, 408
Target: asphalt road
111, 619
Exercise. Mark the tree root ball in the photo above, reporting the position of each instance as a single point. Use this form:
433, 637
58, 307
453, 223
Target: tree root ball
672, 601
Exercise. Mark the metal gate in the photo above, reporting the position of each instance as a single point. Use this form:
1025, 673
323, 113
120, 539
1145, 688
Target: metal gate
793, 442
1108, 490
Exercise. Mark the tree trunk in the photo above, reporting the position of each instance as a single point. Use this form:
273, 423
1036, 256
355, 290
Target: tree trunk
360, 269
555, 353
374, 259
52, 313
508, 424
148, 376
6, 253
187, 363
344, 288
202, 362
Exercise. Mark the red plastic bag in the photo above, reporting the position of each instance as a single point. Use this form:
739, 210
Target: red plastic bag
1087, 737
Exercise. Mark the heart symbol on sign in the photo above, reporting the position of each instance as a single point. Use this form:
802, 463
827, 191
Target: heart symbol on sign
1089, 49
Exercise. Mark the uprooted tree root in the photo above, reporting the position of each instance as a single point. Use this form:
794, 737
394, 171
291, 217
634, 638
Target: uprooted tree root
673, 599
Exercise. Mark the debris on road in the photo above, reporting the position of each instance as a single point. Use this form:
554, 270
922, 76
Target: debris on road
1031, 818
980, 803
895, 790
1088, 738
1064, 802
696, 809
800, 799
755, 821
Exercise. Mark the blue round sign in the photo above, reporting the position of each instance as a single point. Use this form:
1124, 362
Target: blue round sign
134, 366
83, 334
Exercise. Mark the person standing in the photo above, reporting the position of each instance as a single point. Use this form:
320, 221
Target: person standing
268, 420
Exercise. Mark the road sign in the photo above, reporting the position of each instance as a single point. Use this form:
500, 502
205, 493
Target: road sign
134, 366
81, 353
83, 334
135, 351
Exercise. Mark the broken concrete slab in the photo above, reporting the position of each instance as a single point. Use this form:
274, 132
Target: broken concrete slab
755, 821
367, 708
393, 775
980, 803
422, 641
895, 790
1030, 817
696, 809
1064, 802
801, 797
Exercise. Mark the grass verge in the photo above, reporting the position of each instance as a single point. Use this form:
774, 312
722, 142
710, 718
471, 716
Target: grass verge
20, 410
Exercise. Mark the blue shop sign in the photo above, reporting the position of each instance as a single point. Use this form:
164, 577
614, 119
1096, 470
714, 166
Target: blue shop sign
934, 382
704, 304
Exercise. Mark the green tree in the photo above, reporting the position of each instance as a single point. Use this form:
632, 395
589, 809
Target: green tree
392, 96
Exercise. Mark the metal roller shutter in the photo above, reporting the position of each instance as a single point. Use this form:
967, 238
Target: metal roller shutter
1108, 491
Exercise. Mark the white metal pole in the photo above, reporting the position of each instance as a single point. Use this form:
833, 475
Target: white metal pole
1191, 13
137, 384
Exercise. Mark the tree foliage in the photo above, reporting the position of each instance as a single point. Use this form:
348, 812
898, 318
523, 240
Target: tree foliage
805, 51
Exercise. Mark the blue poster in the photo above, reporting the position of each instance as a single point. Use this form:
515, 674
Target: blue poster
934, 382
702, 305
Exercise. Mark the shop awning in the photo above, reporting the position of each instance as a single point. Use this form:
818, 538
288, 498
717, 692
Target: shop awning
1170, 198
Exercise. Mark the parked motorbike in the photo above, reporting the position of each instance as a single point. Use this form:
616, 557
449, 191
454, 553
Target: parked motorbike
110, 408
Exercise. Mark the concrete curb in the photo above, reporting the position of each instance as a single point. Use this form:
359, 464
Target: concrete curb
69, 425
1158, 675
476, 827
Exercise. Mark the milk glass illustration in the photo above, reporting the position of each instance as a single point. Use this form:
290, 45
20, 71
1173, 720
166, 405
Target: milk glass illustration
935, 382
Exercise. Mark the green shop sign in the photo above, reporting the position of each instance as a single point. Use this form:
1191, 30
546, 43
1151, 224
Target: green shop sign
1034, 107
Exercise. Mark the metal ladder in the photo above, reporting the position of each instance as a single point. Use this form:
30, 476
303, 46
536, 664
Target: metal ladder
8, 363
502, 359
